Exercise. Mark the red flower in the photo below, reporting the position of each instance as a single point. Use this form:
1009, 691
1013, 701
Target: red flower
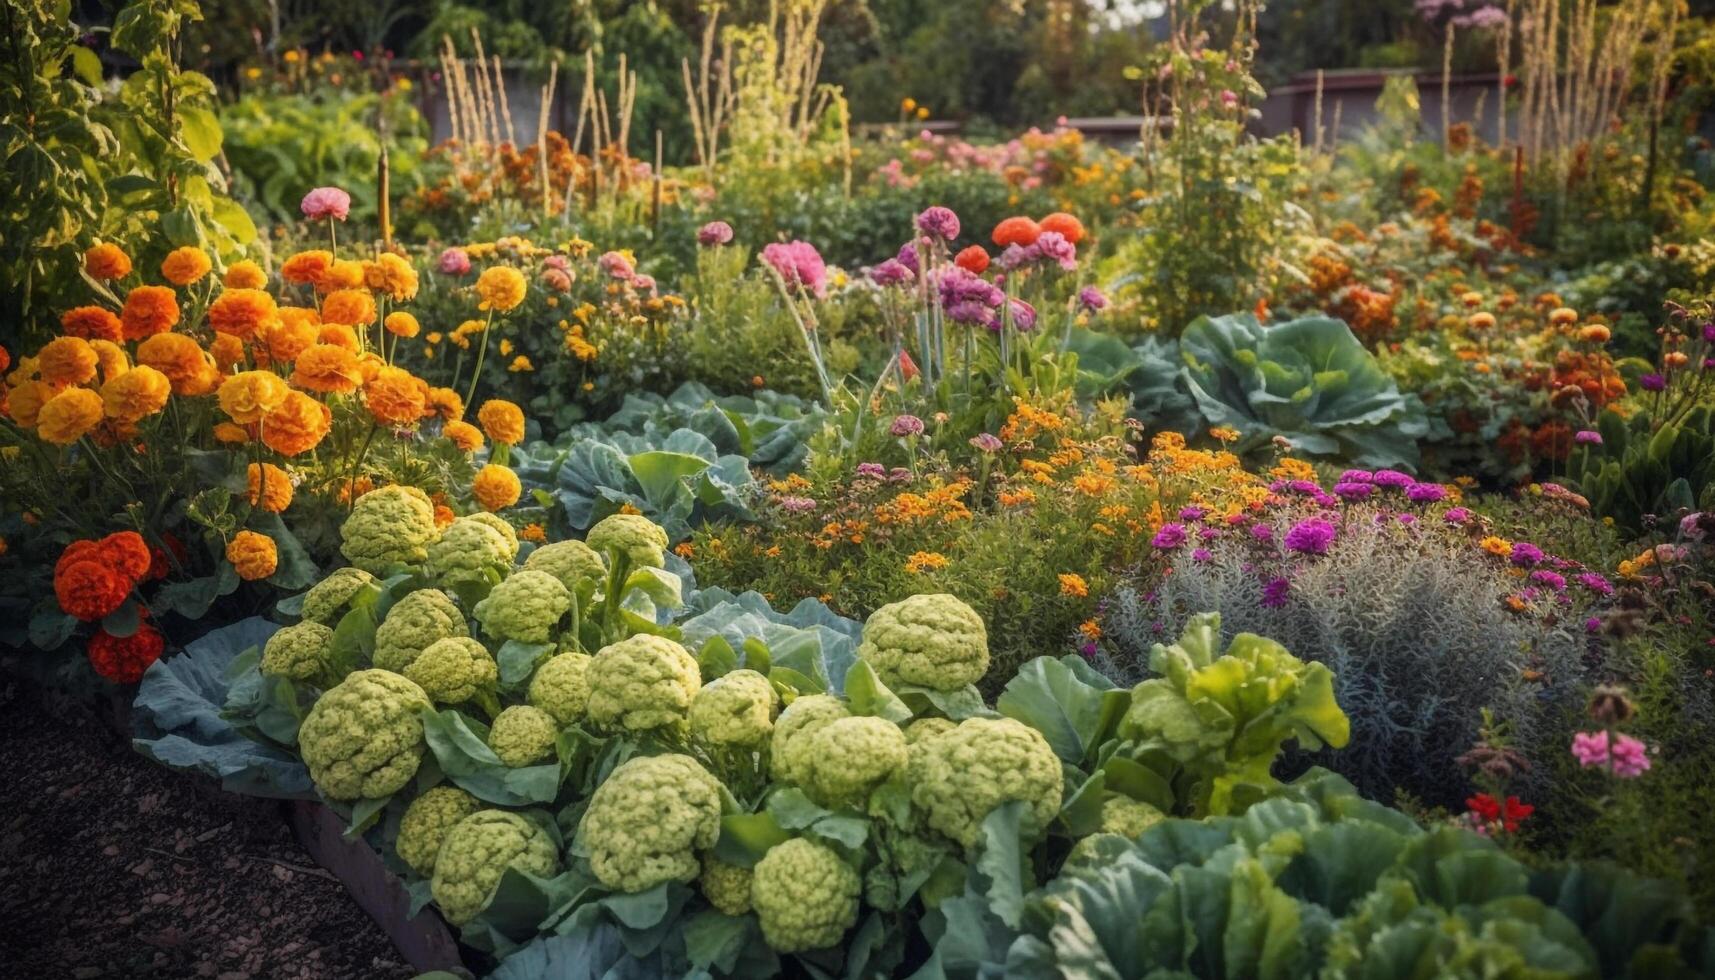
89, 590
160, 565
123, 659
1509, 814
127, 553
1066, 224
973, 260
907, 367
1017, 230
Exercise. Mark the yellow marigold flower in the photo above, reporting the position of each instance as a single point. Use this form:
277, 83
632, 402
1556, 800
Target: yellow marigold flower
307, 268
227, 351
496, 487
339, 335
1092, 484
1091, 629
1496, 546
244, 274
249, 395
1481, 321
686, 550
148, 310
67, 416
111, 358
1014, 498
185, 265
352, 307
107, 261
230, 433
269, 487
327, 368
1073, 585
1563, 317
533, 532
502, 421
401, 324
91, 323
253, 556
289, 336
446, 403
24, 402
394, 397
1224, 433
501, 288
135, 394
924, 561
369, 364
520, 363
1595, 333
297, 425
505, 347
67, 361
391, 274
343, 274
178, 357
242, 312
463, 435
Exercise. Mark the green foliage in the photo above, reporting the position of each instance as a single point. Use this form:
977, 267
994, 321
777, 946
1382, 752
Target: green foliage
1642, 470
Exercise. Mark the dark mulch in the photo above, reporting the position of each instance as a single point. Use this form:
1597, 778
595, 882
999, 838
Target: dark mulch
112, 866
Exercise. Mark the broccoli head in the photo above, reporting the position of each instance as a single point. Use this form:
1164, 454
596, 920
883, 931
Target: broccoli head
414, 622
958, 777
648, 821
525, 607
454, 670
392, 525
326, 601
726, 886
522, 736
569, 561
789, 759
932, 641
734, 711
426, 823
302, 653
849, 757
805, 896
477, 852
464, 549
561, 687
642, 682
363, 738
634, 535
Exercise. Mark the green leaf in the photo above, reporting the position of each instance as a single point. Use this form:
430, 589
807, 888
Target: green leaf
200, 129
86, 65
1074, 708
123, 621
716, 658
468, 761
746, 837
518, 660
50, 627
1002, 861
870, 697
793, 810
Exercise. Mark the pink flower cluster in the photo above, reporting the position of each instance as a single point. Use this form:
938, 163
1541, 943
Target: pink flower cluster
326, 202
799, 264
1623, 755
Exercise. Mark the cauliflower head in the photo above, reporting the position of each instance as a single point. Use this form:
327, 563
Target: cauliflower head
1128, 817
932, 641
477, 852
454, 670
631, 534
465, 548
924, 729
958, 777
522, 736
849, 757
393, 524
805, 896
561, 687
415, 622
427, 821
300, 652
569, 561
642, 682
363, 738
734, 711
726, 886
648, 822
525, 607
789, 759
326, 600
500, 524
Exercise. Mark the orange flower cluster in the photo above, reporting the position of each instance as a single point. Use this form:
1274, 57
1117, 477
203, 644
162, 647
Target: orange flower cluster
93, 578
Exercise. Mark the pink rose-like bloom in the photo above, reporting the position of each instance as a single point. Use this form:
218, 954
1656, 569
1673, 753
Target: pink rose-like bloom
906, 425
616, 266
1590, 748
940, 222
643, 284
558, 280
558, 262
874, 471
797, 505
326, 202
1456, 515
986, 442
1091, 299
1630, 757
891, 273
1691, 527
714, 233
799, 264
454, 262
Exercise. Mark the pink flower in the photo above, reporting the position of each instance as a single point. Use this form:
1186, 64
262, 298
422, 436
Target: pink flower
326, 202
643, 284
799, 264
1630, 757
940, 222
714, 233
616, 265
1590, 748
454, 262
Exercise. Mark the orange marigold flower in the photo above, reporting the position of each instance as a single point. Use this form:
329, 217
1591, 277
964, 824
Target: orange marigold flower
343, 274
242, 312
1563, 317
291, 334
1073, 585
269, 487
179, 358
501, 288
1017, 230
25, 400
391, 274
91, 323
502, 421
496, 487
125, 552
352, 307
446, 403
89, 589
463, 435
1595, 333
534, 532
297, 426
1066, 224
307, 268
148, 310
67, 361
69, 415
230, 433
249, 395
1496, 546
924, 561
107, 261
244, 274
401, 324
339, 335
369, 364
111, 359
327, 368
394, 397
124, 659
253, 556
1481, 321
136, 394
444, 515
185, 265
227, 351
1091, 630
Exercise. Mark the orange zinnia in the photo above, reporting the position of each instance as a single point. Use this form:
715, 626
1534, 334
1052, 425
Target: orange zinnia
1017, 230
1067, 225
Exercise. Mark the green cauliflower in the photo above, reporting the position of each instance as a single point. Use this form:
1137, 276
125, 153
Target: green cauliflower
726, 886
394, 524
426, 823
523, 736
477, 852
327, 599
924, 729
789, 759
958, 777
1128, 817
805, 896
932, 641
1093, 852
363, 738
465, 548
630, 534
301, 652
648, 821
850, 757
454, 670
734, 711
499, 523
561, 687
569, 561
525, 607
641, 683
414, 622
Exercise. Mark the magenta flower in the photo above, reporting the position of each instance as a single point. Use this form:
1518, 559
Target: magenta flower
1170, 536
1311, 536
1201, 554
1630, 757
907, 256
326, 202
1392, 478
1588, 437
1525, 554
1354, 491
1262, 532
1652, 382
799, 264
874, 471
1051, 246
1023, 316
1457, 515
940, 222
1691, 527
891, 273
1425, 493
1275, 592
454, 262
714, 233
1092, 299
906, 425
616, 266
986, 442
1357, 476
1596, 583
1553, 580
1191, 513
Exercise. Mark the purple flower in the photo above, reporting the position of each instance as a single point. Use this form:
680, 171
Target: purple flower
1191, 513
1311, 536
874, 471
326, 202
940, 222
1013, 257
1091, 299
891, 273
1456, 515
899, 474
1275, 592
1593, 624
1709, 331
1051, 246
616, 266
1652, 382
1088, 650
1407, 519
1596, 583
1304, 486
1354, 491
907, 256
799, 264
1525, 554
1262, 532
1357, 476
1393, 478
1425, 493
1588, 437
1553, 580
714, 233
455, 262
1691, 527
967, 297
986, 442
906, 425
1023, 316
1170, 536
1201, 554
1208, 533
